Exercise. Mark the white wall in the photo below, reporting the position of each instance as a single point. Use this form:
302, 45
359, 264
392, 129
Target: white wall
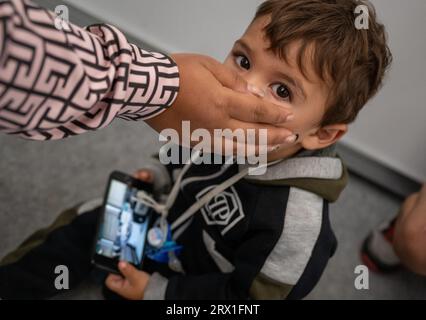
391, 129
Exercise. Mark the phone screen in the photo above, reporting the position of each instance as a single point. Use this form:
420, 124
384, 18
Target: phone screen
124, 225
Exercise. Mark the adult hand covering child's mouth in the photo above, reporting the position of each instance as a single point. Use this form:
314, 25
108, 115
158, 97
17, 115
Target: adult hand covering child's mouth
87, 89
211, 96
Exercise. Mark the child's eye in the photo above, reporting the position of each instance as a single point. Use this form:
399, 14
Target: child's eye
281, 91
242, 61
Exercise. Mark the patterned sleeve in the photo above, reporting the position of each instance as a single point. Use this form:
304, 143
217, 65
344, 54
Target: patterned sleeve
57, 83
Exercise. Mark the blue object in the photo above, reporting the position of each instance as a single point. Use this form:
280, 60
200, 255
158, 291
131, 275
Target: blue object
162, 254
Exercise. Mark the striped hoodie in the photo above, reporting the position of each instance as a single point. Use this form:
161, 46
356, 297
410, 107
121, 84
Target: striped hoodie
265, 237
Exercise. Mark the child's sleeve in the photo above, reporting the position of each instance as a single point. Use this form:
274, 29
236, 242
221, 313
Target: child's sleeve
302, 251
58, 82
296, 281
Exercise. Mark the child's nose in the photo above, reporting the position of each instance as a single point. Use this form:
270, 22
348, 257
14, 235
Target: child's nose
255, 90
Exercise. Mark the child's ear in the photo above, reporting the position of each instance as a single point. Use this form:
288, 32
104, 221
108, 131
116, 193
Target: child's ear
324, 136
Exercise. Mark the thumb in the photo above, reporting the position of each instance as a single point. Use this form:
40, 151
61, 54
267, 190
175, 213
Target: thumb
114, 282
226, 76
128, 271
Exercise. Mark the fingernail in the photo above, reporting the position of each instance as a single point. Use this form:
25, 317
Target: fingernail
122, 265
289, 118
291, 139
249, 87
274, 148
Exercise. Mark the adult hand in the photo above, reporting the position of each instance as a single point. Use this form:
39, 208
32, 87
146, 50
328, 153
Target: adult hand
213, 97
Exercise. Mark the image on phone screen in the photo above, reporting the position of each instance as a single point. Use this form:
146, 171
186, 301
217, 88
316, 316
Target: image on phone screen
124, 226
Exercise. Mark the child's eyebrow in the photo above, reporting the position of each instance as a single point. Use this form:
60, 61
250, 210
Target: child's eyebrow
243, 44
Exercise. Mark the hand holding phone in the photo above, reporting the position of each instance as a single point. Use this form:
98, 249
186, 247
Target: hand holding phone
123, 224
131, 285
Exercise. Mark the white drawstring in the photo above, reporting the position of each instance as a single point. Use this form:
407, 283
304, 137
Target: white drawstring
149, 201
163, 209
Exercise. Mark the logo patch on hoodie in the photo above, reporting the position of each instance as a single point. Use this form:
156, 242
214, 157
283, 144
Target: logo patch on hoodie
223, 210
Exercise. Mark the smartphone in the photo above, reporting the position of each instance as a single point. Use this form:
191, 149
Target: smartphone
123, 224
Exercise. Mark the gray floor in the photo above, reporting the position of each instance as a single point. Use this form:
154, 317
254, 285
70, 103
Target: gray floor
38, 180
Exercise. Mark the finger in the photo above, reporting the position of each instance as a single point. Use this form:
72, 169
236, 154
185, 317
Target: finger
275, 136
243, 141
245, 150
115, 277
226, 76
128, 271
410, 203
114, 282
144, 175
242, 150
250, 108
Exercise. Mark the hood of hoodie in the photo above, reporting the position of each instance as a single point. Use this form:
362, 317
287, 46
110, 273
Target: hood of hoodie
321, 172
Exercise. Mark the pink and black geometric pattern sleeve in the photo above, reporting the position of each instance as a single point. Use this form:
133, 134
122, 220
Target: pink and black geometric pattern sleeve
58, 83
